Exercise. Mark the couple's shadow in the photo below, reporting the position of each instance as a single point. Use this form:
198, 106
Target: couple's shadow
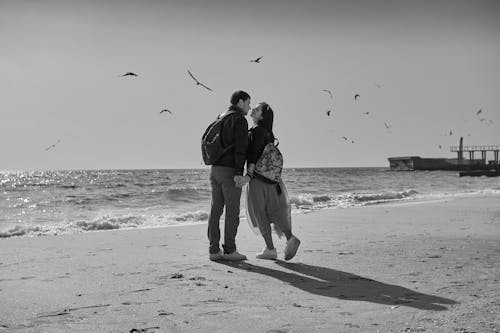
332, 283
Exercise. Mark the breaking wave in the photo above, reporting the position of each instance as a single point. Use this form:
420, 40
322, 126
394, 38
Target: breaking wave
308, 201
107, 222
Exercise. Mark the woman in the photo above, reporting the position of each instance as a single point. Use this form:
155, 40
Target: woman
267, 201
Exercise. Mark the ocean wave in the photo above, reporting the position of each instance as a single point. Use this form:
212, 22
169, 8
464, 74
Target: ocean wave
308, 201
191, 217
107, 222
377, 197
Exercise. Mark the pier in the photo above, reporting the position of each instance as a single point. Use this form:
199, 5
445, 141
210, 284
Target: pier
458, 164
473, 149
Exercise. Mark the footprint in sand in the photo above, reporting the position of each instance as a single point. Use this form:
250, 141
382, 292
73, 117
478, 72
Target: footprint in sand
139, 290
346, 313
283, 329
177, 276
351, 325
197, 278
144, 330
165, 313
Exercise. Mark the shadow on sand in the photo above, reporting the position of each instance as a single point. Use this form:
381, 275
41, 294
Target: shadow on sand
331, 283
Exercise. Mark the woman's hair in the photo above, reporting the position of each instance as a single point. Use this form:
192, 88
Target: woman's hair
267, 118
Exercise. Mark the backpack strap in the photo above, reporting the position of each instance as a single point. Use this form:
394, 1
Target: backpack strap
220, 118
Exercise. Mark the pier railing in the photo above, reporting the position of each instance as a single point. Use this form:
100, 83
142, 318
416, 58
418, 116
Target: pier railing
475, 148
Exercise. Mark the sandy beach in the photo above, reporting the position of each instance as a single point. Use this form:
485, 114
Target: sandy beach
419, 267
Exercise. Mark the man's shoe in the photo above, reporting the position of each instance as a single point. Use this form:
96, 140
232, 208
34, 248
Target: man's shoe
216, 256
291, 248
235, 256
267, 254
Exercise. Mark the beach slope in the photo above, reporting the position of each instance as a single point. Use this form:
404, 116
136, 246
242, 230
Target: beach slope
419, 267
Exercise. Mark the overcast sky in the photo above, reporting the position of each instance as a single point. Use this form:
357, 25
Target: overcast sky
423, 67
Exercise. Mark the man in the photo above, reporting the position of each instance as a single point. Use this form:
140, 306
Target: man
228, 168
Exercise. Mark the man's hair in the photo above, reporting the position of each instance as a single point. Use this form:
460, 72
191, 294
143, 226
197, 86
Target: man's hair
237, 95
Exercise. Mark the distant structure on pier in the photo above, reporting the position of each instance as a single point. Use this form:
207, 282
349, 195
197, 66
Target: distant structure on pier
409, 163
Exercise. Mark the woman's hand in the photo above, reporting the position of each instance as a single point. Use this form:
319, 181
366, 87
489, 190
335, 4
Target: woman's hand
240, 181
251, 168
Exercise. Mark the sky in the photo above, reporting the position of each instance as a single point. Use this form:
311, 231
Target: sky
424, 68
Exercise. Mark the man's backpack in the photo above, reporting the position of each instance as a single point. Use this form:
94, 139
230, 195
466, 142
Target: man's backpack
212, 148
270, 163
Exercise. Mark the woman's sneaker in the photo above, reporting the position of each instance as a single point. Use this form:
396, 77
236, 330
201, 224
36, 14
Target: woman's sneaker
267, 254
291, 248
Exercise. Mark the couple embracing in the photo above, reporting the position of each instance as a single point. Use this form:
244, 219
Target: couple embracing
227, 145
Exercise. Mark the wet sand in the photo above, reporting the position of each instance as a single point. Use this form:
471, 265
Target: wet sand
420, 267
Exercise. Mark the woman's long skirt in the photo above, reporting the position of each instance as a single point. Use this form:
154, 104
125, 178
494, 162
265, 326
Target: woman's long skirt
266, 205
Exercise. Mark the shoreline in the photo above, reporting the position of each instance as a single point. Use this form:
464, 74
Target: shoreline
389, 203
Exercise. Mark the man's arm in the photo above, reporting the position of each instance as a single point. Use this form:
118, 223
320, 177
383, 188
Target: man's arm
240, 144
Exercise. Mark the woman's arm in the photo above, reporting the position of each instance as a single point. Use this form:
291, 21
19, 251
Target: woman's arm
256, 145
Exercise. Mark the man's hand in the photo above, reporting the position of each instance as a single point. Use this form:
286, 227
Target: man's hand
241, 180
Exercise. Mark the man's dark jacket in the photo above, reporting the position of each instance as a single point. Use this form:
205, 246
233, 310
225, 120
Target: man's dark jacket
234, 131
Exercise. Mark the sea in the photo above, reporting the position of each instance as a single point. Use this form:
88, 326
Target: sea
39, 203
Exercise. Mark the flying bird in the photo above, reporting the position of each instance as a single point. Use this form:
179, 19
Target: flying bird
129, 74
198, 83
487, 121
356, 97
478, 112
166, 110
52, 146
257, 61
328, 113
329, 92
387, 125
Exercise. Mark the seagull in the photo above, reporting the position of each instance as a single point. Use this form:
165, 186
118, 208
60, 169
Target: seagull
198, 83
346, 139
356, 97
329, 92
328, 113
52, 146
478, 112
387, 125
487, 121
257, 61
166, 110
129, 74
